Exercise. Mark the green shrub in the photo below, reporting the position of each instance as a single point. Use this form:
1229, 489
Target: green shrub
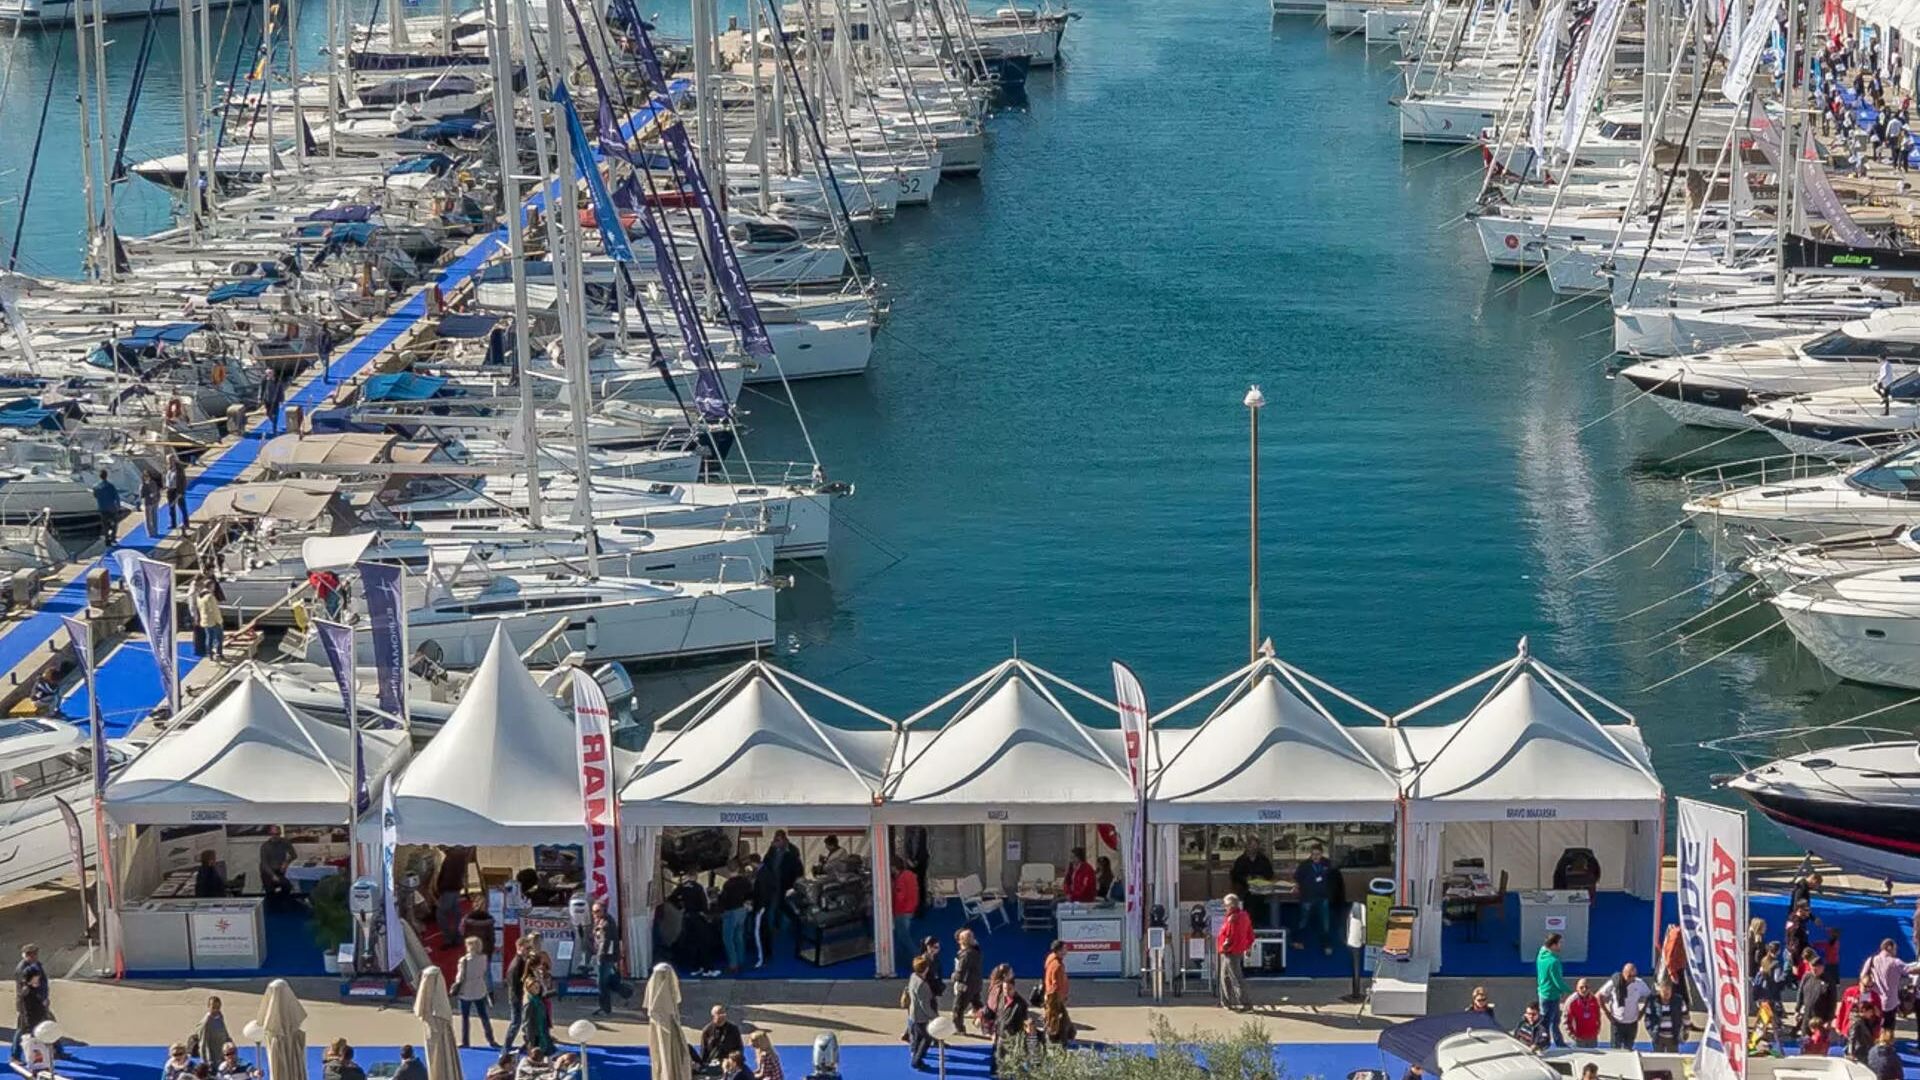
1244, 1054
332, 922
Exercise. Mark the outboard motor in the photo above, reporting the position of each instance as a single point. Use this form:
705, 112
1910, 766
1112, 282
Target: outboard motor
826, 1057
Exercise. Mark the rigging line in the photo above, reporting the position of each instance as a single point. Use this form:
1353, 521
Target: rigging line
1636, 545
1670, 597
13, 53
1683, 639
1591, 300
1715, 606
134, 87
33, 160
1630, 401
1738, 644
1707, 446
1522, 278
1663, 555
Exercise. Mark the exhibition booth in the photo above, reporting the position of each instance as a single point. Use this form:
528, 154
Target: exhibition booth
1529, 816
220, 779
1237, 804
499, 790
996, 784
748, 758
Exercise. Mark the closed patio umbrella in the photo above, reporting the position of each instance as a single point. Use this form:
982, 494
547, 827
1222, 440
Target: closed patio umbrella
281, 1014
435, 1011
667, 1048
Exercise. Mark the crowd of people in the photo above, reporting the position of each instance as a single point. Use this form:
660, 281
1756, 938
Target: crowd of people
1019, 1026
1887, 128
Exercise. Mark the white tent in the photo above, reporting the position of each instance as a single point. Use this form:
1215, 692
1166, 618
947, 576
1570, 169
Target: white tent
1530, 772
745, 751
1270, 751
1012, 754
503, 770
248, 759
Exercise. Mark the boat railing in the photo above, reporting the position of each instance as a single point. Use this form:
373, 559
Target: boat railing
1752, 748
1771, 469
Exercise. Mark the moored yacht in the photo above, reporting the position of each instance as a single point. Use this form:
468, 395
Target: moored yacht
1856, 806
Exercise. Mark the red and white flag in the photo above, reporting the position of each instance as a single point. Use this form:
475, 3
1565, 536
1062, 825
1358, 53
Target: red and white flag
598, 804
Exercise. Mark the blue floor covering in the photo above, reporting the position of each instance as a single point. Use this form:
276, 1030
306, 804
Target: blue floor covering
129, 687
964, 1059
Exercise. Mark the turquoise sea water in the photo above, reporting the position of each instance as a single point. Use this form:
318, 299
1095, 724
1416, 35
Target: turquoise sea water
1051, 451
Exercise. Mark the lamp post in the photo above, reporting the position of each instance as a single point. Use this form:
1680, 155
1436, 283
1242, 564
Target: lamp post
582, 1032
941, 1028
1255, 401
256, 1033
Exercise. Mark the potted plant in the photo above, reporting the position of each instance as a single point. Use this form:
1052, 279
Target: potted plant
332, 922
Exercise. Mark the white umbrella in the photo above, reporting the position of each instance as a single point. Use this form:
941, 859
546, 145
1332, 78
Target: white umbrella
666, 1044
430, 1004
281, 1014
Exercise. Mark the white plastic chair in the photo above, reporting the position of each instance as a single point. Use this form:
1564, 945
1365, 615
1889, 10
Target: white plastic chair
1038, 873
976, 904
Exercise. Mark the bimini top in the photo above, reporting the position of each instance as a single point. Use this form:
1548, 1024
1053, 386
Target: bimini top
249, 758
502, 770
1269, 752
1011, 753
745, 750
1529, 750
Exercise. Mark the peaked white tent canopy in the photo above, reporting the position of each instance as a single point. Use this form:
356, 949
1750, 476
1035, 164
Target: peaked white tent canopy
1012, 753
1270, 751
1530, 772
248, 759
503, 770
746, 752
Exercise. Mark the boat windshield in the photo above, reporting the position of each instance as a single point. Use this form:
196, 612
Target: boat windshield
1839, 345
1897, 475
44, 777
1624, 132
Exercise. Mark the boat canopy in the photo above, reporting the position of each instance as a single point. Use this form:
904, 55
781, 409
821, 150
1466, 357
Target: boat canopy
437, 164
238, 290
462, 324
248, 758
297, 502
28, 414
357, 212
402, 386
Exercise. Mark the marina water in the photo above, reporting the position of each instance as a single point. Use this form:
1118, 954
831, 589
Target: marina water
1050, 449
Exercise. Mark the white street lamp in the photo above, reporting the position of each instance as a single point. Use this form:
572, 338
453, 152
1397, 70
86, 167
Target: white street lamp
1254, 401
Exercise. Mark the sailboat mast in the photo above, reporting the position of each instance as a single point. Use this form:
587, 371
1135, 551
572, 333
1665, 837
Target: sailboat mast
1789, 162
189, 121
80, 54
762, 131
293, 80
506, 137
108, 270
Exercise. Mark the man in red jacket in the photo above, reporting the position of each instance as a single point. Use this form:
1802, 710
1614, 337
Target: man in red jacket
1082, 883
1236, 937
1583, 1016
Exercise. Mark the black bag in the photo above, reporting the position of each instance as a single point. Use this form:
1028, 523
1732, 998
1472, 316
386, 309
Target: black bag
1038, 996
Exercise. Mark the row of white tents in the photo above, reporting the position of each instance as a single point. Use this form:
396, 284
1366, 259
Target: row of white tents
1532, 764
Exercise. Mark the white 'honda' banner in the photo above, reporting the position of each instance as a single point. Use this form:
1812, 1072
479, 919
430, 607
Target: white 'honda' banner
1713, 915
1595, 58
1132, 700
1747, 49
1545, 52
596, 790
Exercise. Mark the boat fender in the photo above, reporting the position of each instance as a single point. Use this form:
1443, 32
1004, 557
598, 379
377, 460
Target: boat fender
593, 634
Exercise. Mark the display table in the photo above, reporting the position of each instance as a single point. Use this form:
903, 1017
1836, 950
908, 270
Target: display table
191, 934
1036, 910
1092, 935
1563, 912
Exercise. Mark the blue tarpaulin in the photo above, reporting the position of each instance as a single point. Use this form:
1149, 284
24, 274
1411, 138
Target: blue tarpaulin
453, 127
238, 290
402, 386
422, 163
359, 212
28, 413
146, 337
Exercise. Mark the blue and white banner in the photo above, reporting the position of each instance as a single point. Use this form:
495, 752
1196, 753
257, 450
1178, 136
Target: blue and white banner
613, 235
81, 634
1545, 53
1712, 863
592, 725
150, 585
387, 622
390, 845
1748, 47
1596, 56
336, 640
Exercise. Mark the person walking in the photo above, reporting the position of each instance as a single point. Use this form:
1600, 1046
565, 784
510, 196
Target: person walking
606, 959
1816, 995
922, 1008
1551, 983
1583, 1016
732, 903
1625, 997
1314, 879
539, 1009
32, 1003
272, 396
1667, 1019
150, 502
1235, 938
471, 989
780, 870
106, 499
968, 991
1863, 1030
213, 622
176, 491
1888, 972
516, 975
906, 900
1054, 994
210, 1035
1673, 962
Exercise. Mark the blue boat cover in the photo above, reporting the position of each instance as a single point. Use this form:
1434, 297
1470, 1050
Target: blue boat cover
1413, 1041
461, 325
352, 232
393, 61
238, 290
402, 386
27, 413
453, 127
422, 163
359, 212
147, 337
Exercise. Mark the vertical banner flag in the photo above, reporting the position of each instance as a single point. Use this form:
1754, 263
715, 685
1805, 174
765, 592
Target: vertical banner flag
1748, 47
592, 725
81, 635
1545, 51
1595, 58
1132, 700
389, 844
386, 618
336, 639
150, 587
1713, 915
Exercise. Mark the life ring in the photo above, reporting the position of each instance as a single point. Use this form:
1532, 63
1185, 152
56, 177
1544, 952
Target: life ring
1512, 241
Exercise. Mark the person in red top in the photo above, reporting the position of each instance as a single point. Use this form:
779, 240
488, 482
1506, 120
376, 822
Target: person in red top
1082, 887
906, 899
1236, 937
1583, 1015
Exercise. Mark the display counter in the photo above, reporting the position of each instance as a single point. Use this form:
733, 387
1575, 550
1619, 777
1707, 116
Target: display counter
184, 933
1549, 911
1092, 935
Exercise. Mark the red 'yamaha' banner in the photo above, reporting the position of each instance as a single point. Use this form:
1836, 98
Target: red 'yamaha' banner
597, 796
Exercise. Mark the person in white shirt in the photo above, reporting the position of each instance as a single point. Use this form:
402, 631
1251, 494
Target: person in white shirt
1625, 998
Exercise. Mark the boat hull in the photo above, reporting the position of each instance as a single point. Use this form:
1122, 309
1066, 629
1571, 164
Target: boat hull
60, 12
